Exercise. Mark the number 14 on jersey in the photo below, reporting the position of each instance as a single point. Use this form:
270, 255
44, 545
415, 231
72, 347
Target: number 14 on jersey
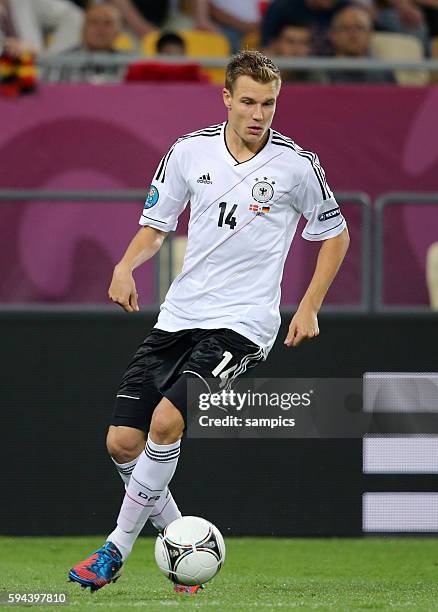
229, 219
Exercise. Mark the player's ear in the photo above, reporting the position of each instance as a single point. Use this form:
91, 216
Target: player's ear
226, 95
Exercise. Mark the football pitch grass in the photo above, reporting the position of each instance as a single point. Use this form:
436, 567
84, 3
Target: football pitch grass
259, 574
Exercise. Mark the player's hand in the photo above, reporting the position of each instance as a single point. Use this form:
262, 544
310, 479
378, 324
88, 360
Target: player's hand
304, 325
123, 290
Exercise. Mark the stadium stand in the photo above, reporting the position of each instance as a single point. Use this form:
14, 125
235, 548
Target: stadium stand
351, 30
27, 23
124, 42
432, 274
198, 43
236, 19
393, 46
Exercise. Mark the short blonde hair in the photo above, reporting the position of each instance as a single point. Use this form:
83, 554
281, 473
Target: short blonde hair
252, 64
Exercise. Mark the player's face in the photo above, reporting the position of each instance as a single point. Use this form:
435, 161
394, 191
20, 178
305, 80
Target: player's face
251, 107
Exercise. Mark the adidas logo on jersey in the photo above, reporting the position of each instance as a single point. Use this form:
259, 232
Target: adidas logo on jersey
205, 178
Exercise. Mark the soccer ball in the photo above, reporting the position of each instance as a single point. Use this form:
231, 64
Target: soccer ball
190, 551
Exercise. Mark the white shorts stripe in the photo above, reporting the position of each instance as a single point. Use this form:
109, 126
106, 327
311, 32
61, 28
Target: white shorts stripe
128, 396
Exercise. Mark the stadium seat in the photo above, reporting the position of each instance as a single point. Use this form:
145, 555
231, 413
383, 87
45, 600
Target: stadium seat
168, 272
392, 46
434, 52
124, 42
179, 244
432, 274
198, 43
150, 70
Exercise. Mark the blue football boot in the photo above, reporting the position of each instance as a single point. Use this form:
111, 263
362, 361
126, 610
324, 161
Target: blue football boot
101, 568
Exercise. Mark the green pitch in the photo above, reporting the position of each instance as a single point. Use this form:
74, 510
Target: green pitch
259, 574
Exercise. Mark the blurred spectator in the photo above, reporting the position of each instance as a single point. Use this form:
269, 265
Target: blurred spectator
235, 19
145, 16
430, 12
350, 34
318, 13
403, 17
17, 75
25, 24
171, 44
102, 26
295, 40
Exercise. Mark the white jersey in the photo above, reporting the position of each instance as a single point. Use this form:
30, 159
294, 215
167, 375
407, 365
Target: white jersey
243, 217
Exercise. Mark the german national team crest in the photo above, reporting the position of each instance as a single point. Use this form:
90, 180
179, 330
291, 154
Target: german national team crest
152, 197
263, 190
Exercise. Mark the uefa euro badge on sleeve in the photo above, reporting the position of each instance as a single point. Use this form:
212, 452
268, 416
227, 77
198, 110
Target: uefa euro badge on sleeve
152, 197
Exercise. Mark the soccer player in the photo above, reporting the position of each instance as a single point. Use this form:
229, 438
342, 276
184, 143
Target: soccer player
248, 185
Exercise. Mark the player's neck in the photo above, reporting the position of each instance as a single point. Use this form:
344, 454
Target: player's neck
240, 149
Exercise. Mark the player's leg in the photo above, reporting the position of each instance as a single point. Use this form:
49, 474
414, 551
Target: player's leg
154, 365
151, 475
147, 487
125, 445
156, 466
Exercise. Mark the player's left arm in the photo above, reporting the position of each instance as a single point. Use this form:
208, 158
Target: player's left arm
304, 323
315, 200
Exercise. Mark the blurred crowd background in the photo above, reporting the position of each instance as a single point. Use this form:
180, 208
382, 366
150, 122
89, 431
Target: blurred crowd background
32, 30
387, 139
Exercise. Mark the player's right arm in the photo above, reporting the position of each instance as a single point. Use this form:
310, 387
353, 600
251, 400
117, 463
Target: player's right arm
166, 198
142, 247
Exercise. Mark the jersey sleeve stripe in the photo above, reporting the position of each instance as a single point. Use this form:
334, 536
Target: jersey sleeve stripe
312, 157
161, 172
325, 195
327, 230
210, 128
152, 219
319, 171
164, 164
216, 133
160, 168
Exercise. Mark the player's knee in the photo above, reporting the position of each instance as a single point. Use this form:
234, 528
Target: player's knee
166, 427
124, 443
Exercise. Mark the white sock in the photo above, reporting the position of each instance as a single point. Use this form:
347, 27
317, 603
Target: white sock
165, 510
151, 475
125, 469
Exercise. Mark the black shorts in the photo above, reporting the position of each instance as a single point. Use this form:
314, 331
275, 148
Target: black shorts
166, 360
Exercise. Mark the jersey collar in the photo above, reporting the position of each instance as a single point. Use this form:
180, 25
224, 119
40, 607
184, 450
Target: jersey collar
231, 156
